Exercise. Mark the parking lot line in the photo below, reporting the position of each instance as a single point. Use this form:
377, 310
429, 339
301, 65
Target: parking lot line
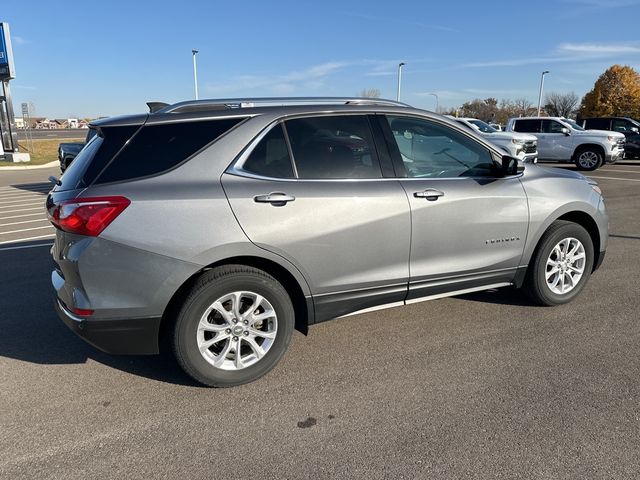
23, 205
26, 246
28, 239
24, 221
26, 229
616, 171
10, 195
22, 201
19, 216
41, 207
617, 178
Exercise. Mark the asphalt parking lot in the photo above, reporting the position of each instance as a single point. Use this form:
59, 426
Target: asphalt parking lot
477, 386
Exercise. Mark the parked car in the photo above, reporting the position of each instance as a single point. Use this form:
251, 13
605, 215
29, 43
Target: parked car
632, 147
561, 139
69, 150
625, 125
218, 228
520, 145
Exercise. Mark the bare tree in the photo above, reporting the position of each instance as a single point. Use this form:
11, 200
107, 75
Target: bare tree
370, 93
561, 104
523, 107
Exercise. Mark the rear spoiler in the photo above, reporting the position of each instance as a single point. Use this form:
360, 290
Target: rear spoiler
155, 106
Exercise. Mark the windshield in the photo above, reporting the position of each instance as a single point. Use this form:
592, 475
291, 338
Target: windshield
573, 124
484, 127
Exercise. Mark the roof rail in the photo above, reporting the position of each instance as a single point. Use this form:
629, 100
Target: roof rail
223, 103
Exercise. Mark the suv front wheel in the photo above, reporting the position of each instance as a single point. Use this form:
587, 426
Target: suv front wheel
588, 159
561, 265
234, 326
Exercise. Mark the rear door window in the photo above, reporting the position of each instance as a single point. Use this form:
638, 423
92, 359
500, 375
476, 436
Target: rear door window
158, 148
527, 126
333, 147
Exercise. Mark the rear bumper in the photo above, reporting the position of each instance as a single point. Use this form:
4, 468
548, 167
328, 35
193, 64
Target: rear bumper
130, 336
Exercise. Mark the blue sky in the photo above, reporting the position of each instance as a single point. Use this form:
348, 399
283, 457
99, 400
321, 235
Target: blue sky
106, 58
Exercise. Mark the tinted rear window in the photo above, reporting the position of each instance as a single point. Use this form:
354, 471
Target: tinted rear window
72, 177
597, 124
527, 126
158, 148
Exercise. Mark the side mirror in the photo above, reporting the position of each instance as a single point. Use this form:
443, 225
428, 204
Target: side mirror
511, 166
566, 131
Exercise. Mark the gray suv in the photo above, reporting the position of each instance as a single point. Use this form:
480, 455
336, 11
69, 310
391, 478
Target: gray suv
220, 226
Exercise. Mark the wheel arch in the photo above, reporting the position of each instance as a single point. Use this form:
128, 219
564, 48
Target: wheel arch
302, 304
587, 146
579, 217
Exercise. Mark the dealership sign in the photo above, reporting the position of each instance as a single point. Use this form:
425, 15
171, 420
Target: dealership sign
7, 70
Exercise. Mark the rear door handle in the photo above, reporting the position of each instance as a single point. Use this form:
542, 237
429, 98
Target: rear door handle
430, 194
277, 199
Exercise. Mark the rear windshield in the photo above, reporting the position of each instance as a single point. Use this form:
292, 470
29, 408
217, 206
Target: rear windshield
95, 155
158, 148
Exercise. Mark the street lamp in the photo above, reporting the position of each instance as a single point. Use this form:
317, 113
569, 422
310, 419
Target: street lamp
400, 65
437, 101
541, 87
195, 72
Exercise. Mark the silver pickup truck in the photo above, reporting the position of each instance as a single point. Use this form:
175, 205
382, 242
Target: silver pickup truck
561, 139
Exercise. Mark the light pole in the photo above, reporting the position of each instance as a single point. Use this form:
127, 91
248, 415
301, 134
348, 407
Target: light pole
195, 72
541, 87
437, 101
400, 65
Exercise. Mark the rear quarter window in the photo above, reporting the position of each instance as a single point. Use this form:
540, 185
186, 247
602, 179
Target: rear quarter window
158, 148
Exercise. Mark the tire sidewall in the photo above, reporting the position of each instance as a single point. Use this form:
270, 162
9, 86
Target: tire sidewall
566, 231
191, 313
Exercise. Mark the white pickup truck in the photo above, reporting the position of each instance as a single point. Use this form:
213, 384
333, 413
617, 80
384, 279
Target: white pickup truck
561, 139
519, 145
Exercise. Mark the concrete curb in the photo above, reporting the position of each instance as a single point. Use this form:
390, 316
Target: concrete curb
29, 167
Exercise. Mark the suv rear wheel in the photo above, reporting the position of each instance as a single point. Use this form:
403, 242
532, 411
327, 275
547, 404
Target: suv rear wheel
561, 265
234, 326
588, 159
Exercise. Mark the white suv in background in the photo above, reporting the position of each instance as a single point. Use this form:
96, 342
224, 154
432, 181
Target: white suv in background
561, 139
519, 145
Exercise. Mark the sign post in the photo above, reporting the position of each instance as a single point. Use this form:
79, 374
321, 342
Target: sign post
8, 134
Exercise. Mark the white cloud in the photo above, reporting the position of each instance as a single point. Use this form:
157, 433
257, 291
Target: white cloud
599, 48
16, 40
311, 78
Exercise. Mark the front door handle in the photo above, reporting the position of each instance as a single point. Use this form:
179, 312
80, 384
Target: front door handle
277, 199
430, 194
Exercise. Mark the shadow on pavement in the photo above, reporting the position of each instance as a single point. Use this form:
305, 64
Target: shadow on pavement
632, 237
32, 332
502, 296
34, 187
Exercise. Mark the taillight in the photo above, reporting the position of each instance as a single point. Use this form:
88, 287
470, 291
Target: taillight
87, 216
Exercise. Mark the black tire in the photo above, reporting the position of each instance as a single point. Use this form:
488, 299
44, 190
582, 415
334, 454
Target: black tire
583, 155
211, 286
535, 285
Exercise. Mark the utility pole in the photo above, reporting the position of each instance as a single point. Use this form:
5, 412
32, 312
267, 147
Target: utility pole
400, 65
195, 71
541, 87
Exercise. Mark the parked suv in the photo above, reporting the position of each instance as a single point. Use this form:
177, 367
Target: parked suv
627, 126
219, 226
520, 145
561, 139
